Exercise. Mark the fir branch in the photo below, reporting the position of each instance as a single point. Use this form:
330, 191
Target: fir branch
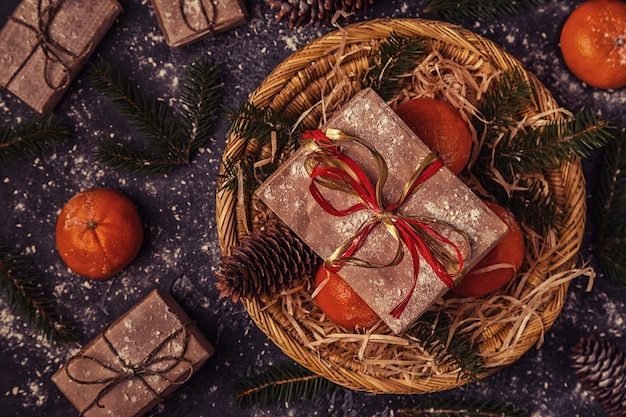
282, 383
459, 10
432, 331
149, 116
250, 122
395, 58
510, 158
24, 296
170, 142
609, 210
461, 408
201, 94
32, 138
547, 147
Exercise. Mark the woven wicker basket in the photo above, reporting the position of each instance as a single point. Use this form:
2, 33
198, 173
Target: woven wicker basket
295, 86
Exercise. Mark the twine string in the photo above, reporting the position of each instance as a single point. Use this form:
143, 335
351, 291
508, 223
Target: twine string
153, 364
329, 168
51, 49
207, 15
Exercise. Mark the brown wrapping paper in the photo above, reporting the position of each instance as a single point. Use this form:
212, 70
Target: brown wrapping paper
45, 43
136, 362
443, 197
187, 21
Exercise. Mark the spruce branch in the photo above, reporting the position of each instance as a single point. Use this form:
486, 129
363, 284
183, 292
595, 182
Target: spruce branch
608, 210
432, 331
200, 98
171, 140
540, 149
459, 10
395, 57
511, 159
32, 138
25, 297
461, 408
282, 383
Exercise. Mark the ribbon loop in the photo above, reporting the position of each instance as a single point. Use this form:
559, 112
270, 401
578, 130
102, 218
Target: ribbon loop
329, 168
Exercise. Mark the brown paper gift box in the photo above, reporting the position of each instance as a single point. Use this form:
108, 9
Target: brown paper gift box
187, 21
140, 359
443, 197
45, 43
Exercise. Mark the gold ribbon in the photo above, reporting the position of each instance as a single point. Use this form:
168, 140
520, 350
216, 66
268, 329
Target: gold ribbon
329, 168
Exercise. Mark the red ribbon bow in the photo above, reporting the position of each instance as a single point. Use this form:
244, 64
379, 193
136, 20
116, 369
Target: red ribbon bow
330, 168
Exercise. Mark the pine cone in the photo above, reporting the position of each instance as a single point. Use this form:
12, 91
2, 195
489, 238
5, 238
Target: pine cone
302, 12
602, 369
266, 262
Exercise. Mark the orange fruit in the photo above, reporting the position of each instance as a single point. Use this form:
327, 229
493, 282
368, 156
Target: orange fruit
500, 264
441, 127
593, 43
340, 303
98, 233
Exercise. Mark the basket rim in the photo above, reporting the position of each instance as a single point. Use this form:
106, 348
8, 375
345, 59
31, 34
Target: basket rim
570, 174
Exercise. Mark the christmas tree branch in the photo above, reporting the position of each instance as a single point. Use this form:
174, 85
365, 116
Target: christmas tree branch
24, 296
395, 57
171, 142
609, 210
282, 383
31, 138
432, 331
477, 9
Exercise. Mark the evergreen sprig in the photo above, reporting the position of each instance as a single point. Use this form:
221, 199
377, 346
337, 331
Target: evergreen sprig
280, 384
257, 124
461, 10
32, 138
395, 57
432, 332
172, 137
609, 210
461, 408
25, 297
515, 156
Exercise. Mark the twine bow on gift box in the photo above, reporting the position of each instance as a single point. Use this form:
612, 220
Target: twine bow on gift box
51, 49
208, 15
328, 167
154, 364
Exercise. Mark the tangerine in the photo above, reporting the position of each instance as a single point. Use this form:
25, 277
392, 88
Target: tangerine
98, 233
593, 43
500, 264
340, 303
441, 127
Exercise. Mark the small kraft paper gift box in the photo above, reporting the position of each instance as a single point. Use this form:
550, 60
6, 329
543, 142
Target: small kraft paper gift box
139, 360
45, 43
382, 210
186, 21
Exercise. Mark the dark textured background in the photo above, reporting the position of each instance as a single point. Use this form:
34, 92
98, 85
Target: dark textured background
181, 252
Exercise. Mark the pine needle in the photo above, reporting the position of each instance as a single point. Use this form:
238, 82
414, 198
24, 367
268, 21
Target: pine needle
25, 297
280, 384
609, 210
461, 408
432, 330
170, 141
477, 9
32, 138
396, 57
